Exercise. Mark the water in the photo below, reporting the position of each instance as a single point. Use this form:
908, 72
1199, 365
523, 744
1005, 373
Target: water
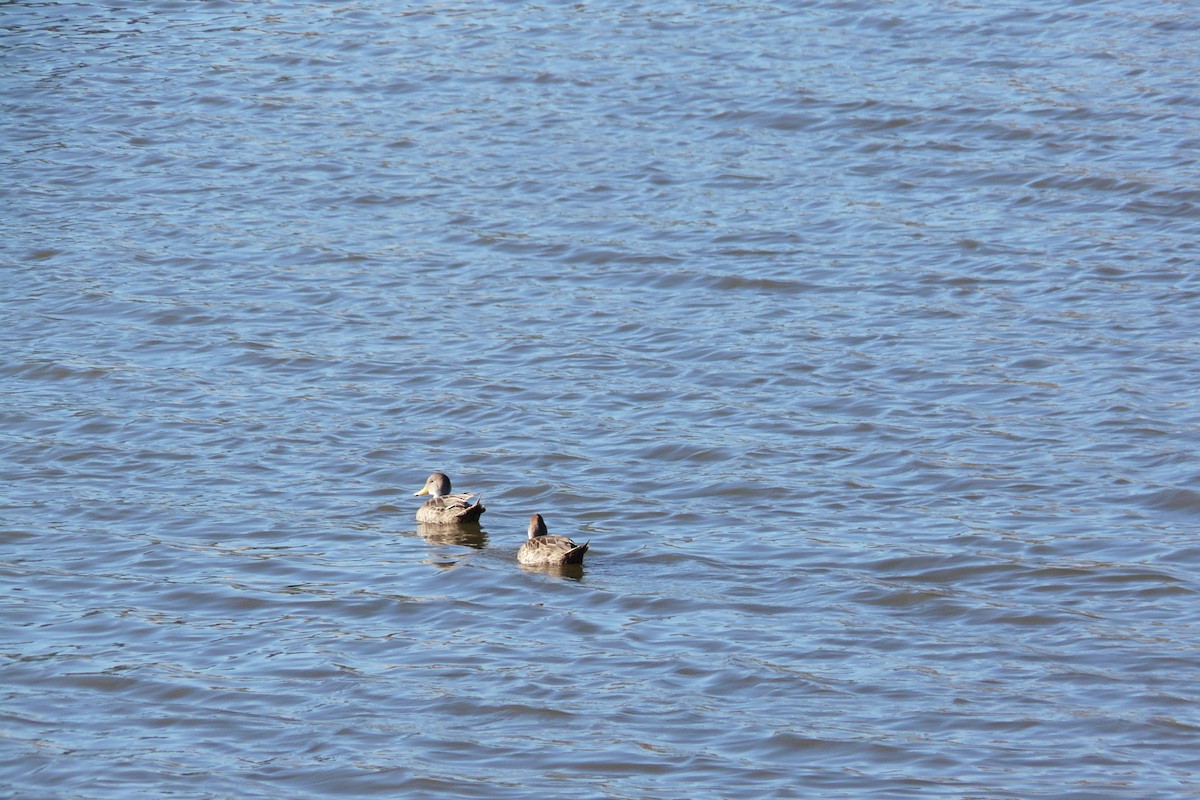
859, 339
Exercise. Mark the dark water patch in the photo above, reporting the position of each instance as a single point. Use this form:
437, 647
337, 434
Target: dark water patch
1179, 501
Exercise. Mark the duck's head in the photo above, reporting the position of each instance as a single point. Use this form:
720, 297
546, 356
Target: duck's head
537, 526
437, 485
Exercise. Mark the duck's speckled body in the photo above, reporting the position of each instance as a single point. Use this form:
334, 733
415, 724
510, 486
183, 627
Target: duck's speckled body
546, 549
445, 508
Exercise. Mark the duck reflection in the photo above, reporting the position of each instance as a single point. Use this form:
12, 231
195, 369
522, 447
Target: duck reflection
566, 572
467, 534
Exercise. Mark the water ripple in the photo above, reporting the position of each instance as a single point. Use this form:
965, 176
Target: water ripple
864, 366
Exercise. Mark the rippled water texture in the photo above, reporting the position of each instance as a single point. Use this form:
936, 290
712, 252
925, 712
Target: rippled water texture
859, 338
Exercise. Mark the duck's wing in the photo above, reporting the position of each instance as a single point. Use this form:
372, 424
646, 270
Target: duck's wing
554, 547
557, 542
452, 501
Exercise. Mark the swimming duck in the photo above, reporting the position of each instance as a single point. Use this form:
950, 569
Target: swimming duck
443, 507
546, 549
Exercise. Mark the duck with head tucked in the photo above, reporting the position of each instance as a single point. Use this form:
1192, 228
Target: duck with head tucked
445, 508
543, 549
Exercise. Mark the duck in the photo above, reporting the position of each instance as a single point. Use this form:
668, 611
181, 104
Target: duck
543, 548
445, 508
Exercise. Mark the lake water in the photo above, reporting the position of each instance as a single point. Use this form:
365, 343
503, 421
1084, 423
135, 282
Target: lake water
859, 338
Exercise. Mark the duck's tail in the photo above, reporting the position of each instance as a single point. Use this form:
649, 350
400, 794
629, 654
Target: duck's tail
575, 554
476, 510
